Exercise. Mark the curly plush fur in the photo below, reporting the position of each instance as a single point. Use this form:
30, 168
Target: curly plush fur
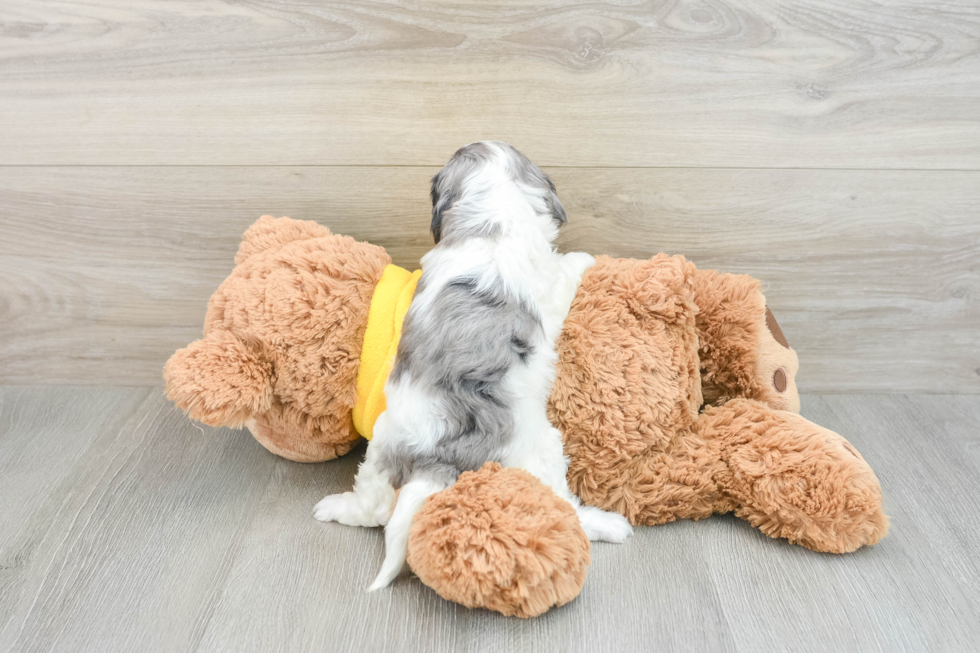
675, 393
743, 352
502, 540
639, 337
282, 340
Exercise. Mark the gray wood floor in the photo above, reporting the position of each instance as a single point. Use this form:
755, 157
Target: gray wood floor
125, 527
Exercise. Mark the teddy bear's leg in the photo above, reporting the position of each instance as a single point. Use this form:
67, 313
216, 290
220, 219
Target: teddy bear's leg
742, 349
794, 479
657, 486
502, 540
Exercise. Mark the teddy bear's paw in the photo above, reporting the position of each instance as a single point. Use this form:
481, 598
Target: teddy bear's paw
603, 526
349, 509
500, 539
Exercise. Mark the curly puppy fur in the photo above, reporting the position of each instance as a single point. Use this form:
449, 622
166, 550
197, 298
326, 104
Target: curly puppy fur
476, 358
282, 340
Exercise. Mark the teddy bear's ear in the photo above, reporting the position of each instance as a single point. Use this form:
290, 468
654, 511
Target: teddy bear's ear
270, 234
219, 381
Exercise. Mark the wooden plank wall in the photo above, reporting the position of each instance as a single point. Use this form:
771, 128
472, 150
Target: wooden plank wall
830, 148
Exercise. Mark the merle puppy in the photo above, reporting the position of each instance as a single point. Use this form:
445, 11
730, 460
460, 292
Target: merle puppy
476, 360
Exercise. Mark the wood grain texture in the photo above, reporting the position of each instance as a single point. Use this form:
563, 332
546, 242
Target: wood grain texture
143, 532
874, 275
128, 549
885, 597
44, 435
804, 83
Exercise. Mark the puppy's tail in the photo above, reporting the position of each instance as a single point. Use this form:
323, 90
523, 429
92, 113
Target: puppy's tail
410, 499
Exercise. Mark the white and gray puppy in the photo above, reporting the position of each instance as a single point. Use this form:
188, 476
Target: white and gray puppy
476, 360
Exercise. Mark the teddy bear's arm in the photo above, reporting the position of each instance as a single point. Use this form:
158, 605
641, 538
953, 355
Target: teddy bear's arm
791, 478
218, 380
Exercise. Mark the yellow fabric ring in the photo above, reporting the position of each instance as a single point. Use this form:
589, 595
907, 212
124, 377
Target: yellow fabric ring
389, 305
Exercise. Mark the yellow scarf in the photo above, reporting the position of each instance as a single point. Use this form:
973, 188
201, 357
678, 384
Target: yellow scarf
389, 305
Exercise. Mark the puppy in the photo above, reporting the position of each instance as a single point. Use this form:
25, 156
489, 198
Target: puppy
476, 359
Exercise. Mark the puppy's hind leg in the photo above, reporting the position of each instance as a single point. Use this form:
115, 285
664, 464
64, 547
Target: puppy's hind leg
602, 525
410, 499
547, 461
373, 498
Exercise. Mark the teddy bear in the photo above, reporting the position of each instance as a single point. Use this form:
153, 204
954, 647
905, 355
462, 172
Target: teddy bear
675, 393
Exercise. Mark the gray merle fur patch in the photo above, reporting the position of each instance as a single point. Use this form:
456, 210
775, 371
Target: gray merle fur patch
460, 350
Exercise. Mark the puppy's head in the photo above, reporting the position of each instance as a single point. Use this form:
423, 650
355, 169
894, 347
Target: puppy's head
487, 183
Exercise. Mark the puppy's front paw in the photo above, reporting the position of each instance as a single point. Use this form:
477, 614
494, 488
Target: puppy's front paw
604, 526
344, 508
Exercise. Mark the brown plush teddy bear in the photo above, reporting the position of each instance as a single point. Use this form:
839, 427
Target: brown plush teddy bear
675, 393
